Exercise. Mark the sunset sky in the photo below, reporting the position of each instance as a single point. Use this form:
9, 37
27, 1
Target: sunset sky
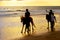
29, 2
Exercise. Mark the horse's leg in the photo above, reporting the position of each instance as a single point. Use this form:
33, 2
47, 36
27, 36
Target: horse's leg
22, 28
32, 29
28, 30
25, 30
48, 26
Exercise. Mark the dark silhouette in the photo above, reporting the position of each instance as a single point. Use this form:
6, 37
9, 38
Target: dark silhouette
26, 21
53, 20
49, 18
27, 13
51, 12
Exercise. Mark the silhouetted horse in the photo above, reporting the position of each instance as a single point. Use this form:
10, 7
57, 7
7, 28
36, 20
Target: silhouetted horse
26, 21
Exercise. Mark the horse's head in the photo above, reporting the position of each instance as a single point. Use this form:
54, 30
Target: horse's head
22, 18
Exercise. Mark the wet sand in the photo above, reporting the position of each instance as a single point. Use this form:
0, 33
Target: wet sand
11, 29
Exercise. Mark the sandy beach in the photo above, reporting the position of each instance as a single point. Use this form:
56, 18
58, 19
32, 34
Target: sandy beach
11, 29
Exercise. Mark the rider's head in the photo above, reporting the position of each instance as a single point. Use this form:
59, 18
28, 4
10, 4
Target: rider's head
26, 9
50, 10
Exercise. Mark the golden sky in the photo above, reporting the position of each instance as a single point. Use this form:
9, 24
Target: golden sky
30, 3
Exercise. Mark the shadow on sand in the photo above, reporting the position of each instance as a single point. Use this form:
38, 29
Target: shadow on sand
47, 36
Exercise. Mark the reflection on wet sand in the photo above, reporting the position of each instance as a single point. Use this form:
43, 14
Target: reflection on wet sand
45, 36
11, 29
